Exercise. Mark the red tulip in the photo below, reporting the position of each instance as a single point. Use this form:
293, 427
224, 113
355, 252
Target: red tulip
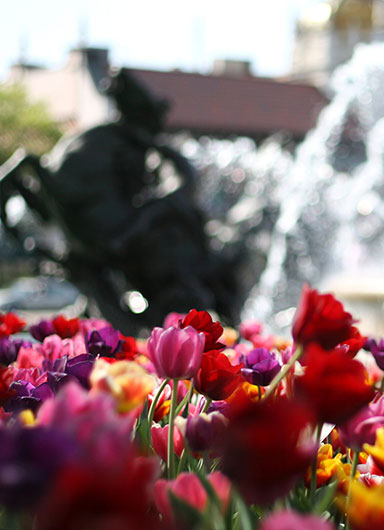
65, 328
159, 437
355, 341
334, 385
217, 378
264, 451
320, 318
107, 499
202, 321
9, 324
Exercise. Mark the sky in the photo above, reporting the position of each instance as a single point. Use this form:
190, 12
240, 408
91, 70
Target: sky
154, 34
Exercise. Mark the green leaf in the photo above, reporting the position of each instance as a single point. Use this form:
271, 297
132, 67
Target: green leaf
10, 521
300, 501
324, 498
245, 518
184, 513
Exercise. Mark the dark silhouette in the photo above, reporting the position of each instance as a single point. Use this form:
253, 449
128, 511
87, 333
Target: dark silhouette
124, 201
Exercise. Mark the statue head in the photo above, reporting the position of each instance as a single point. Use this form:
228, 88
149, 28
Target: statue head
136, 104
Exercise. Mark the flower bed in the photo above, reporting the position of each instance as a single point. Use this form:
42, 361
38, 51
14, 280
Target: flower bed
199, 427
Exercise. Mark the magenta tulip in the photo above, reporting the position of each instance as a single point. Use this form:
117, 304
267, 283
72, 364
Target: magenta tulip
176, 353
362, 427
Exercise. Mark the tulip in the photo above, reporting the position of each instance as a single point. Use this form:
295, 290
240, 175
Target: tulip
205, 431
362, 427
104, 342
159, 437
10, 324
335, 386
365, 509
190, 490
322, 319
41, 330
66, 328
176, 353
377, 451
217, 378
10, 348
377, 350
202, 321
127, 381
290, 520
249, 328
261, 366
267, 448
173, 319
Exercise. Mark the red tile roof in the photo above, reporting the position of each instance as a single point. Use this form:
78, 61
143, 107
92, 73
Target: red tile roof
248, 105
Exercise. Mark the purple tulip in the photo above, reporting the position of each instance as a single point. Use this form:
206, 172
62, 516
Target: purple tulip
27, 396
176, 353
80, 368
104, 342
220, 406
377, 350
260, 366
64, 370
204, 431
9, 348
29, 459
41, 330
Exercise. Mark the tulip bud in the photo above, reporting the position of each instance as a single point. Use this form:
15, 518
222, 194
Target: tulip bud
176, 353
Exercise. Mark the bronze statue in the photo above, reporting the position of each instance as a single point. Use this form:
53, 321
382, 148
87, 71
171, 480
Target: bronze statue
124, 201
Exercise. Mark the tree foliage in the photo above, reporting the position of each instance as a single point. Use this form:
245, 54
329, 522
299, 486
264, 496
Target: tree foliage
24, 124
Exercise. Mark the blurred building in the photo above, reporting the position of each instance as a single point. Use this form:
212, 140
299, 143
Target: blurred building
327, 33
229, 101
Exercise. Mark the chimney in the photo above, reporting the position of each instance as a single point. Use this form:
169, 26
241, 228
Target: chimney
231, 68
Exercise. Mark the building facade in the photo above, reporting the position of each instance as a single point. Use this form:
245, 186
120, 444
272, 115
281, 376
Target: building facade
229, 101
327, 33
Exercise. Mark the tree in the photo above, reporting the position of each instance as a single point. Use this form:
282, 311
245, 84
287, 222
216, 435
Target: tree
24, 124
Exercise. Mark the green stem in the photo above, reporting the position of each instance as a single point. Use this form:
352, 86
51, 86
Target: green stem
186, 399
314, 465
171, 423
155, 401
283, 372
355, 461
206, 405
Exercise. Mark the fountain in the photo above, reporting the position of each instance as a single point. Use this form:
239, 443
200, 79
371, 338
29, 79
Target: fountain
316, 216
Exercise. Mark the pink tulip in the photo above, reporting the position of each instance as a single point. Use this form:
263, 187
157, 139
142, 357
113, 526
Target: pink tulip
249, 328
362, 427
289, 520
29, 358
176, 353
52, 347
159, 437
222, 487
172, 319
189, 489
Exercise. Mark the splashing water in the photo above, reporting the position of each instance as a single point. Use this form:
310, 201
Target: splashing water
309, 216
332, 215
